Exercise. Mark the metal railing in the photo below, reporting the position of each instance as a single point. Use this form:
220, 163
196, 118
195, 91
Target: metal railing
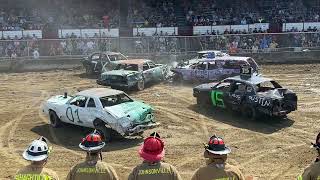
238, 43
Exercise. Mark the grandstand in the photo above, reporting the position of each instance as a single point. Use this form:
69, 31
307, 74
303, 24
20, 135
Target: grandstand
153, 23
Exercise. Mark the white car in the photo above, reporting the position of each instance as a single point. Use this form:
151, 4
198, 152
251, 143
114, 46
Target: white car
204, 55
103, 109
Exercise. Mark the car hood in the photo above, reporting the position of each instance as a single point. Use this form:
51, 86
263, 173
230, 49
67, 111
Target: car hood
136, 111
205, 86
59, 99
118, 73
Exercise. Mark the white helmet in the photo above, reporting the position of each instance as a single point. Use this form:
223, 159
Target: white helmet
37, 151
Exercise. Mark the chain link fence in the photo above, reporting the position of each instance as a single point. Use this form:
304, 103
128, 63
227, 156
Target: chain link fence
239, 43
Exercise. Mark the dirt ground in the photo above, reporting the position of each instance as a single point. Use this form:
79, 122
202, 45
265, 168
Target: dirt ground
266, 149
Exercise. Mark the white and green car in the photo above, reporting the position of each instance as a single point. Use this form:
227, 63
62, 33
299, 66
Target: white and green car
103, 109
131, 74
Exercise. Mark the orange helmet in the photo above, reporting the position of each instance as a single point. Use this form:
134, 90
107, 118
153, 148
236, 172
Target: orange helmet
92, 142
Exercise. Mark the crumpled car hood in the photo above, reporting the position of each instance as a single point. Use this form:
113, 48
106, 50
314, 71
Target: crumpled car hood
136, 111
59, 99
118, 73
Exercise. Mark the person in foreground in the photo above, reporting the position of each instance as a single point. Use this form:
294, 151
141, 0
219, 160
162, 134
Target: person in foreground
312, 172
152, 152
37, 153
217, 168
93, 167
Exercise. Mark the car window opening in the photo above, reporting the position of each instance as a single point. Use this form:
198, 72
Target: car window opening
113, 100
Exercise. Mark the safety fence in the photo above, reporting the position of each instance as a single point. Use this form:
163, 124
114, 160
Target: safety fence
238, 43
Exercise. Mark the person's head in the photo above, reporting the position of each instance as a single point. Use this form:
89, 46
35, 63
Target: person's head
92, 144
37, 152
216, 150
316, 145
152, 149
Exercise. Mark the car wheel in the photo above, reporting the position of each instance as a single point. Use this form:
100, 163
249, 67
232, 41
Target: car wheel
140, 85
105, 133
89, 70
54, 119
178, 79
249, 112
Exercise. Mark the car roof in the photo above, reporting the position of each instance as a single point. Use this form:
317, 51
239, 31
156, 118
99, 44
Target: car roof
237, 58
208, 51
254, 79
107, 53
225, 58
134, 61
99, 92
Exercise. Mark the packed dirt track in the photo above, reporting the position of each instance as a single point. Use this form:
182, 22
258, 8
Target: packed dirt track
266, 149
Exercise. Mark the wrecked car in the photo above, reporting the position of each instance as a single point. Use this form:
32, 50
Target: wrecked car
213, 69
201, 55
103, 109
133, 74
250, 94
95, 62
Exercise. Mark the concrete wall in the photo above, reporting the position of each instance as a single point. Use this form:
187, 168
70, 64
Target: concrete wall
50, 63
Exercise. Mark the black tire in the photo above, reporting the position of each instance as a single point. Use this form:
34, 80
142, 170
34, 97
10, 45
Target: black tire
203, 103
89, 70
54, 119
105, 133
178, 79
140, 85
249, 112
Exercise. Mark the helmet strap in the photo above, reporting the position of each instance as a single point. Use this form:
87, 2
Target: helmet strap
100, 155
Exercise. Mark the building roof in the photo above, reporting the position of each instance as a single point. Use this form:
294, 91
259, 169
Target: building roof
99, 92
254, 79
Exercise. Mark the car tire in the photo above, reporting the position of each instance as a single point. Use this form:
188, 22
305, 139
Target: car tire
54, 119
140, 85
105, 133
249, 112
177, 79
89, 70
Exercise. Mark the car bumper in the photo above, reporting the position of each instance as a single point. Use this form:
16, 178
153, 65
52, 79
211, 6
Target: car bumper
101, 82
142, 127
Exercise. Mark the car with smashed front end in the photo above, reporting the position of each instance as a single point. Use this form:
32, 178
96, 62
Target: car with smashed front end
103, 109
97, 61
250, 94
132, 74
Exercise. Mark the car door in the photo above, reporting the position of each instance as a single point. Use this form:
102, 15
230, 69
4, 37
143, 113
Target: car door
219, 94
92, 111
201, 71
213, 73
147, 72
76, 111
237, 93
155, 70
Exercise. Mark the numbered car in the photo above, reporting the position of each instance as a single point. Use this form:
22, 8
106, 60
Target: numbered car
213, 69
251, 94
133, 74
103, 109
97, 61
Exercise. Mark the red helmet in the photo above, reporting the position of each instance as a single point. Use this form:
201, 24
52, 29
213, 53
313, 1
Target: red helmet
216, 146
92, 142
152, 148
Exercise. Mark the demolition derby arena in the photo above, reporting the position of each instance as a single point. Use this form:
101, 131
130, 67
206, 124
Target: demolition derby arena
266, 149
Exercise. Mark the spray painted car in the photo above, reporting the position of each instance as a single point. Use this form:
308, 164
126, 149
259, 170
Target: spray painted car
133, 74
213, 69
202, 55
103, 109
248, 93
96, 62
